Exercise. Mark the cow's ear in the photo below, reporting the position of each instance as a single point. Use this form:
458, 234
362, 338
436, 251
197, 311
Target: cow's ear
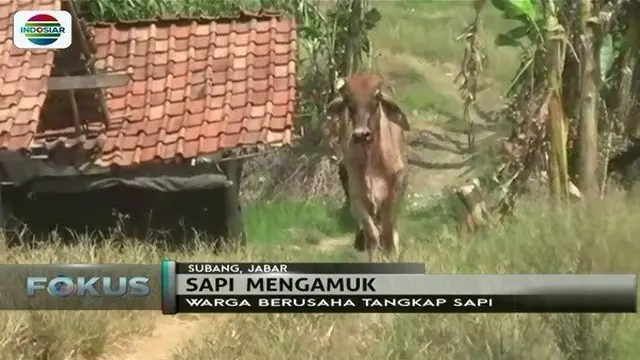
336, 106
394, 113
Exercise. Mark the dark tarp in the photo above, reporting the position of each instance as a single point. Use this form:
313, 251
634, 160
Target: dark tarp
157, 183
20, 169
42, 176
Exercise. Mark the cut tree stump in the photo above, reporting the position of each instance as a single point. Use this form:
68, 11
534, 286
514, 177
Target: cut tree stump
474, 215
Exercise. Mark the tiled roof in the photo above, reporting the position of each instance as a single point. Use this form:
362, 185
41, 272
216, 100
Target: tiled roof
23, 79
196, 87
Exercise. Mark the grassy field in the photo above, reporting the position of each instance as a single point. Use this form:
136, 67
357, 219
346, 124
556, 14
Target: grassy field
540, 239
416, 52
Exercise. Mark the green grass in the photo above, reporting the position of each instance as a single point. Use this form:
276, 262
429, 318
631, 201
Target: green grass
279, 222
422, 28
417, 51
428, 29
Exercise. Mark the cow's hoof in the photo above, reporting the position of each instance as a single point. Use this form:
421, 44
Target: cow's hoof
359, 244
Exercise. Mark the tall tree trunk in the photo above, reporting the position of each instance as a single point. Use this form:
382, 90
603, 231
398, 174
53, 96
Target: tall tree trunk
589, 79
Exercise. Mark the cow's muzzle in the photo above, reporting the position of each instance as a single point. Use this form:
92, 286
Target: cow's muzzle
361, 135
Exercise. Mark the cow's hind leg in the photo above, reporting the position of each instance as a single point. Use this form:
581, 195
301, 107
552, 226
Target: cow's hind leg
388, 234
344, 182
360, 244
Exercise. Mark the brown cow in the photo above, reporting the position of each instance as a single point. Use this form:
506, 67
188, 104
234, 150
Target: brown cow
373, 150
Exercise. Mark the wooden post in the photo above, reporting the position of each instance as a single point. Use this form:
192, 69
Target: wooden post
6, 210
87, 49
75, 112
235, 225
80, 82
3, 215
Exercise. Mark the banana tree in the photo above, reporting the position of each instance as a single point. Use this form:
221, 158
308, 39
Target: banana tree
473, 62
629, 52
555, 38
544, 43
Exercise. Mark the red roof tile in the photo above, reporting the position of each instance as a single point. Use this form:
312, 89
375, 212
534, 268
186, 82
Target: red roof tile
196, 87
23, 79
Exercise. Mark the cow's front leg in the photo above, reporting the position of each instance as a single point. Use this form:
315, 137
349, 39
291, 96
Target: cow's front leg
389, 214
372, 235
369, 229
389, 236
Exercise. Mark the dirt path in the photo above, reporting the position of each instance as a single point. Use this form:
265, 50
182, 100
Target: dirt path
333, 244
168, 334
172, 331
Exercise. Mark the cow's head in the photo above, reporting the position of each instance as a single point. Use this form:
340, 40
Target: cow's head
362, 95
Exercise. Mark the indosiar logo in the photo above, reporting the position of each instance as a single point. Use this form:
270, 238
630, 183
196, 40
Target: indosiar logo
42, 29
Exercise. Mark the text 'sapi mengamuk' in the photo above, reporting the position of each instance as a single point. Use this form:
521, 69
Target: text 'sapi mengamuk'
329, 292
